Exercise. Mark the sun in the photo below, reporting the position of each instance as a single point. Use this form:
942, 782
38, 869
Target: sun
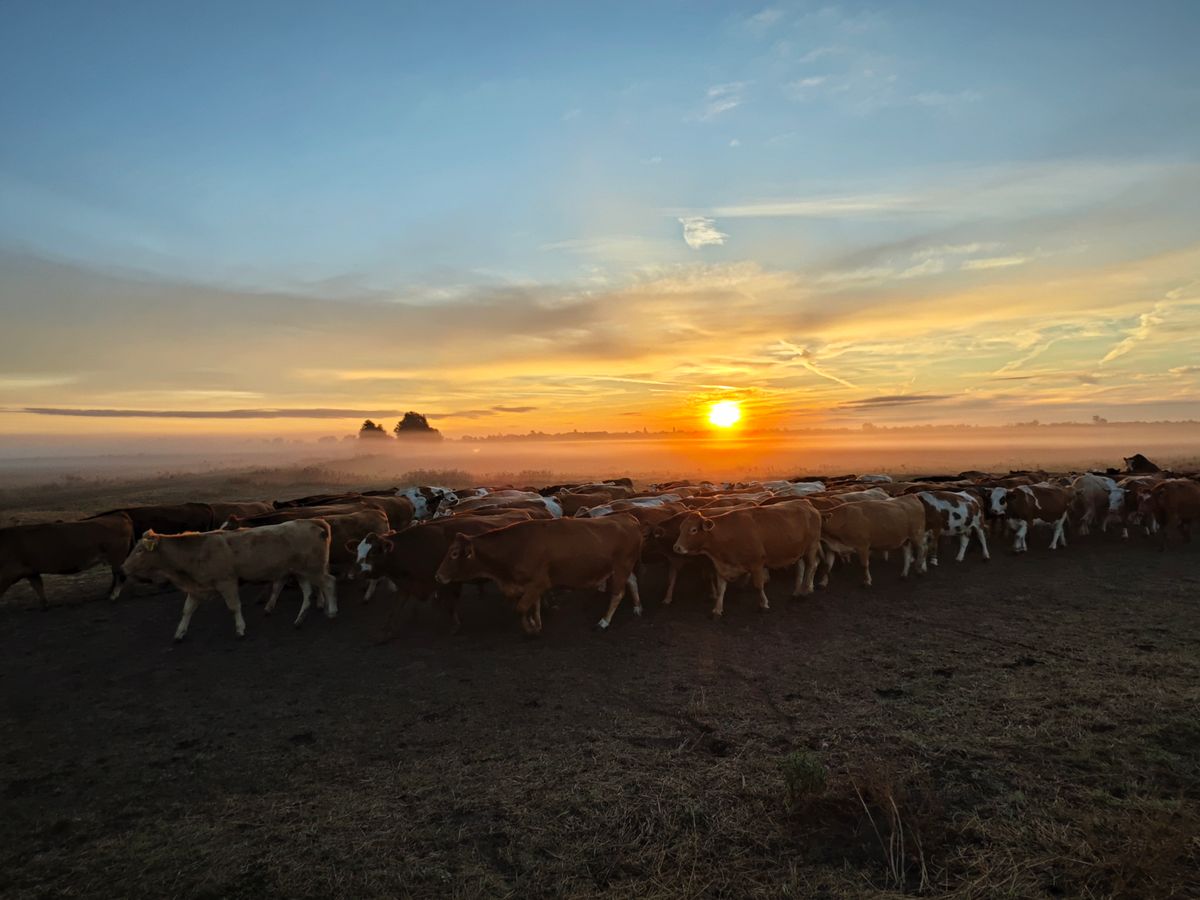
725, 413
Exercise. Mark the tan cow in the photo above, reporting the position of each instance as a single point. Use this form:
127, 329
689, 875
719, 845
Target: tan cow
1095, 500
216, 561
529, 558
751, 541
64, 548
866, 525
1026, 505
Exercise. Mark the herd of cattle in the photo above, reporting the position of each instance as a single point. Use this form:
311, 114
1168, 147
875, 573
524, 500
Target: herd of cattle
426, 542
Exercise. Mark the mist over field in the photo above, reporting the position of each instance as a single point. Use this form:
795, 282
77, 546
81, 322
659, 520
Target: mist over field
912, 451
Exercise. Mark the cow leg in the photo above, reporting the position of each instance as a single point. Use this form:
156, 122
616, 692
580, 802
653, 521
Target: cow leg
189, 606
908, 559
328, 588
719, 599
931, 541
1060, 533
631, 585
1019, 527
118, 582
810, 568
614, 601
922, 558
306, 591
982, 540
35, 582
673, 567
826, 566
799, 588
276, 590
759, 579
864, 560
233, 600
963, 540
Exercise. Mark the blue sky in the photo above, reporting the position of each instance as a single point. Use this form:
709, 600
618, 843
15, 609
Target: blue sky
810, 158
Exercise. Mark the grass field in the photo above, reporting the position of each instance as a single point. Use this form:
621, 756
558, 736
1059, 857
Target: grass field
1028, 727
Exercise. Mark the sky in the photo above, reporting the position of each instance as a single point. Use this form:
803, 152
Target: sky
262, 217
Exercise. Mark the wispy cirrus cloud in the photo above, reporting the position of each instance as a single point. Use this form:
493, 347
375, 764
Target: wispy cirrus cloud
994, 262
721, 98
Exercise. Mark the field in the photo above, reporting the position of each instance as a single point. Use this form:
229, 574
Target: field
1025, 727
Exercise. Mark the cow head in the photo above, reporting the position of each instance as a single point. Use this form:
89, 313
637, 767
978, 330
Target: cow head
367, 553
694, 532
997, 506
142, 560
460, 563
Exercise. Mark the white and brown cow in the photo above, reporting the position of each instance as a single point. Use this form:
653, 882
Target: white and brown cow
1095, 500
217, 561
954, 513
1026, 505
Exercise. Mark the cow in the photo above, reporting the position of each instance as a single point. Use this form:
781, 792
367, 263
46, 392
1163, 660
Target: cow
426, 500
874, 479
1173, 502
1139, 465
409, 559
316, 500
222, 512
572, 502
529, 558
862, 526
618, 506
64, 548
660, 538
958, 514
1095, 500
1028, 504
506, 498
1133, 489
751, 541
216, 561
173, 518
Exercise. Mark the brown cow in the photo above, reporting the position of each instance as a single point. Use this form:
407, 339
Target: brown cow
1026, 505
409, 559
660, 539
171, 518
573, 502
223, 511
866, 525
64, 548
200, 563
529, 558
751, 541
1174, 502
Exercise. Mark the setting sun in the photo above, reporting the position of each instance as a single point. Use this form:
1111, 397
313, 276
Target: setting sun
725, 413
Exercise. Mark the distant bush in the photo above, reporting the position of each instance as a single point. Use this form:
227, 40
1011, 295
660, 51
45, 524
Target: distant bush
804, 776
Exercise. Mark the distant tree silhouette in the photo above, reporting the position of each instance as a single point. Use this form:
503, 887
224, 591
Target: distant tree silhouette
371, 430
416, 425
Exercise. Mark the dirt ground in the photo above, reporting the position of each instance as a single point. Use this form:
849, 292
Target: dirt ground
1028, 727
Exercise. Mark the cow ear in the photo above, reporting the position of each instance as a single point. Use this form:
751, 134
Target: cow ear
709, 524
351, 546
658, 531
388, 546
150, 540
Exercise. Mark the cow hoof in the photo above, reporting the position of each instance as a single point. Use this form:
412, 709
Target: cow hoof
179, 638
602, 625
637, 610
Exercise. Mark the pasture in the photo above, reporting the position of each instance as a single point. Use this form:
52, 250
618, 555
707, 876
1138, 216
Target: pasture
1024, 727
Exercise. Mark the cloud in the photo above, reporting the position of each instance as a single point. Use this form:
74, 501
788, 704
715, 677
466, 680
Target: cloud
651, 161
993, 262
957, 249
735, 143
721, 98
1185, 370
15, 382
818, 53
317, 413
765, 18
699, 231
886, 400
803, 357
1147, 322
930, 266
816, 207
944, 100
802, 88
514, 409
570, 114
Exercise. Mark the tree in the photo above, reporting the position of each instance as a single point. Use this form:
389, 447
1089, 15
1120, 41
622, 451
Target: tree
415, 425
371, 430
